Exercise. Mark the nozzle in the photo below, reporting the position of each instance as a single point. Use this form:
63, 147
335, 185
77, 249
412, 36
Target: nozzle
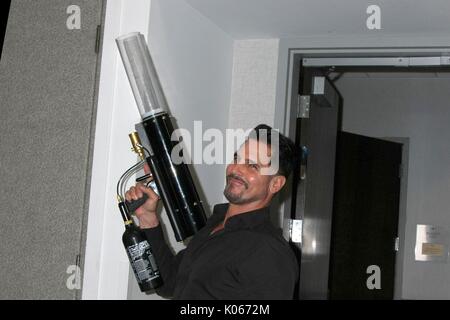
136, 143
142, 74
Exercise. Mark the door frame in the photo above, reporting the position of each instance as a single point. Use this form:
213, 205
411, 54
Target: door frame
285, 120
400, 257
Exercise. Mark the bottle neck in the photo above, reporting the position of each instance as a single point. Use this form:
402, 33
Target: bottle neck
125, 215
128, 223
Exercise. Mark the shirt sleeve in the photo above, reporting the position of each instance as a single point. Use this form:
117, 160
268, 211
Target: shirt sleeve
167, 262
269, 272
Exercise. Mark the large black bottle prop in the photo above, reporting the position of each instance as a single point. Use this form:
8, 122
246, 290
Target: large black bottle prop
140, 254
174, 181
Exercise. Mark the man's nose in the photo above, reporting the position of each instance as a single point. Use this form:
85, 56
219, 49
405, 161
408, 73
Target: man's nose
238, 169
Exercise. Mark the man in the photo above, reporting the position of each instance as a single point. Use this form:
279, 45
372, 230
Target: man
238, 254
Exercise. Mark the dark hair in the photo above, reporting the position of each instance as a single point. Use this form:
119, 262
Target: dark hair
288, 154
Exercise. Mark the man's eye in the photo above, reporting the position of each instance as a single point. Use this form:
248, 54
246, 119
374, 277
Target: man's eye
254, 166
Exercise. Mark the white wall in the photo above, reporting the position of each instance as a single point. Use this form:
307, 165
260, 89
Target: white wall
194, 61
417, 108
254, 83
193, 58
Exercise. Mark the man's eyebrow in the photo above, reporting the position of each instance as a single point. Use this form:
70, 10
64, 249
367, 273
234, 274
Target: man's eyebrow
247, 160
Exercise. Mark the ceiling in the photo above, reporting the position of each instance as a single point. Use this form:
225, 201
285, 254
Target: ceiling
247, 19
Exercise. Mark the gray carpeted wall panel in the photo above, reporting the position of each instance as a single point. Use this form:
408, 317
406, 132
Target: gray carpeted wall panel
47, 76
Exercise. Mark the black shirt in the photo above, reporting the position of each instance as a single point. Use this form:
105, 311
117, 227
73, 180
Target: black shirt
247, 259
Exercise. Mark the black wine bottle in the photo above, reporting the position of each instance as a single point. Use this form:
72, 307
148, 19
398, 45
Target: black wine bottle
140, 254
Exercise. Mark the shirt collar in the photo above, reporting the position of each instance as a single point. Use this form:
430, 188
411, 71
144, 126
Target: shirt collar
245, 220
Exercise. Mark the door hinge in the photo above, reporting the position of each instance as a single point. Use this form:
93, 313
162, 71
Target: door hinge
295, 230
97, 38
78, 260
396, 243
303, 104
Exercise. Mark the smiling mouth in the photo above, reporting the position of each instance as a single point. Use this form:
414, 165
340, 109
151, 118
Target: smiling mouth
237, 181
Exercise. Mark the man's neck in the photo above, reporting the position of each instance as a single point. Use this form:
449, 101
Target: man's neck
235, 209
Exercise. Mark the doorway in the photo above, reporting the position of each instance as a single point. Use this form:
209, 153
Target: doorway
365, 218
362, 129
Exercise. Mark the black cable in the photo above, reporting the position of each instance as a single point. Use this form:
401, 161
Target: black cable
144, 177
145, 149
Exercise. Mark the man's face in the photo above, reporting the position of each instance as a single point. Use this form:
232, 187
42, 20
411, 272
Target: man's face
244, 181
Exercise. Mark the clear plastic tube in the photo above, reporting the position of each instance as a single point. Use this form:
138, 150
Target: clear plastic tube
142, 74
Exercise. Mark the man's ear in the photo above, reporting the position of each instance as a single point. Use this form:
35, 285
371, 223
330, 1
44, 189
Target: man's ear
277, 183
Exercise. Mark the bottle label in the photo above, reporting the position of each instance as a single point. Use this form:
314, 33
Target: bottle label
142, 261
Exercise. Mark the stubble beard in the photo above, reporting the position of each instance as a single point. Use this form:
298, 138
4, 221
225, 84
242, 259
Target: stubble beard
234, 197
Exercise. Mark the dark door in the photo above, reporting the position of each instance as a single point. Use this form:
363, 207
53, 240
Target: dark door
312, 201
365, 218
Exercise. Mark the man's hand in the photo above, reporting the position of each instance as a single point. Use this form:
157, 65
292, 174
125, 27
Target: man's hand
147, 212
